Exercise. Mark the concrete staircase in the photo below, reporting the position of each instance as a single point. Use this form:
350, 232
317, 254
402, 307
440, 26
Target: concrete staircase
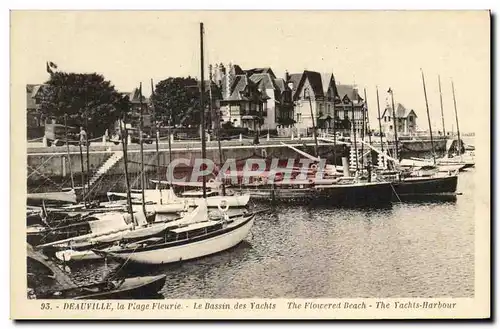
104, 168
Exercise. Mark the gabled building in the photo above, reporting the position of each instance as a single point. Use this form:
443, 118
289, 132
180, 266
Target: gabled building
278, 105
253, 98
406, 120
350, 104
315, 93
33, 115
242, 103
135, 99
284, 104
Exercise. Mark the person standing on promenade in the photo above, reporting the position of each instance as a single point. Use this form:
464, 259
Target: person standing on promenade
83, 136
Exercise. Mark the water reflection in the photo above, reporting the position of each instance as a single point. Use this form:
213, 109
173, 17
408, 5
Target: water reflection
423, 247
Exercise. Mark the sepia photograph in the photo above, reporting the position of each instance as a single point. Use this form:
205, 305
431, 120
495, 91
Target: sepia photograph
245, 164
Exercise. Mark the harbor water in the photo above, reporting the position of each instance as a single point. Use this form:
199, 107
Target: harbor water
413, 249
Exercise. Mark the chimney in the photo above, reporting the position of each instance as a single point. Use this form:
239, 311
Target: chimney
220, 74
287, 76
229, 79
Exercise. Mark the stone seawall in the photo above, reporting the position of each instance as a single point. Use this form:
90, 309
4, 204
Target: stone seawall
48, 168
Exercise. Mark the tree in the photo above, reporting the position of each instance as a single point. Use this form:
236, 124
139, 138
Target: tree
87, 99
179, 98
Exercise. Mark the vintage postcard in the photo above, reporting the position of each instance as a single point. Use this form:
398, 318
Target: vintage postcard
250, 164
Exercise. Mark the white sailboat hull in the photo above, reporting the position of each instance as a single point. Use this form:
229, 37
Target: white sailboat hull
192, 250
167, 204
441, 166
215, 201
79, 255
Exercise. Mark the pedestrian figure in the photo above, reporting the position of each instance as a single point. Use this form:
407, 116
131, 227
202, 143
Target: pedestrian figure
83, 136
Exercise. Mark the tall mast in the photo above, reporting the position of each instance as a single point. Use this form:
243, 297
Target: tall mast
67, 150
441, 101
456, 118
380, 123
363, 136
367, 125
217, 126
334, 135
368, 120
428, 117
141, 123
169, 136
88, 157
313, 126
82, 173
202, 105
124, 137
157, 136
394, 121
354, 134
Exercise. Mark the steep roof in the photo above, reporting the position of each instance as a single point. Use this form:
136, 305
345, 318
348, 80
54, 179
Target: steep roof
238, 70
280, 83
237, 88
401, 111
261, 70
30, 100
295, 79
263, 80
32, 91
314, 79
326, 79
349, 91
134, 96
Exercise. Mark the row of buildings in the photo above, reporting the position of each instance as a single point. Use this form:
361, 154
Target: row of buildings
258, 99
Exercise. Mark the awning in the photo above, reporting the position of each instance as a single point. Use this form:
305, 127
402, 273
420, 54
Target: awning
248, 117
325, 117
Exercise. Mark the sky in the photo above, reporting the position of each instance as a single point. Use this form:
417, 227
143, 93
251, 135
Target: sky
366, 48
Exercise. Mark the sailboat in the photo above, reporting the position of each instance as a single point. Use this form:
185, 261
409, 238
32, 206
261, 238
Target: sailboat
454, 157
424, 179
47, 281
65, 196
194, 235
112, 227
338, 189
164, 200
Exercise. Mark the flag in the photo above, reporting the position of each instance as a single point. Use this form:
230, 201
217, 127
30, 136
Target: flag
51, 66
49, 70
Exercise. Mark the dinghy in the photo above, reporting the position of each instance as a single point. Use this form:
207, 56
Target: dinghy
58, 285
